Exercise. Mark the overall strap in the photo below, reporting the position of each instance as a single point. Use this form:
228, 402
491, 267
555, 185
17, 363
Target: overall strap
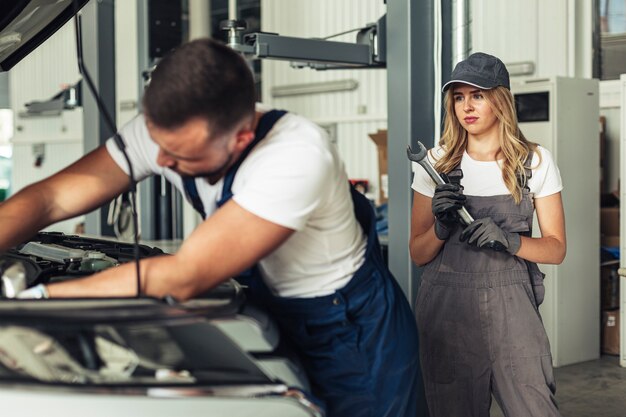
189, 184
266, 122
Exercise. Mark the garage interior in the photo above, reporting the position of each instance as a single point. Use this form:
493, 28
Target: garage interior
567, 61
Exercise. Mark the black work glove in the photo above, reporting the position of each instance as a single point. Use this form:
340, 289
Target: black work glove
448, 199
484, 233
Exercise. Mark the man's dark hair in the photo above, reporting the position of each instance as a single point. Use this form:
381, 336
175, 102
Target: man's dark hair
202, 78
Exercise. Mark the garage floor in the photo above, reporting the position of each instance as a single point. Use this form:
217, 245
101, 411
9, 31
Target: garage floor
595, 388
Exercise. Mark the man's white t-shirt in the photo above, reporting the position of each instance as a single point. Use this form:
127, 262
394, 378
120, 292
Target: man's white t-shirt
294, 178
484, 178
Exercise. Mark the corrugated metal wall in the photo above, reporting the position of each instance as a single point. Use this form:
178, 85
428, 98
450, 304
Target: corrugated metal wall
555, 35
127, 71
517, 31
41, 74
355, 113
37, 78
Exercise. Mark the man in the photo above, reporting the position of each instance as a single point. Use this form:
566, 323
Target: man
315, 258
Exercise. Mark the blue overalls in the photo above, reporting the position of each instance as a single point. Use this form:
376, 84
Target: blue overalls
358, 345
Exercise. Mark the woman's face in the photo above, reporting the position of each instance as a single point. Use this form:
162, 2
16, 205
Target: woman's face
473, 111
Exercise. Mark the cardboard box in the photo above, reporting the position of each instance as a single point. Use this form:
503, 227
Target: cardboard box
609, 285
609, 226
380, 139
610, 332
609, 241
609, 221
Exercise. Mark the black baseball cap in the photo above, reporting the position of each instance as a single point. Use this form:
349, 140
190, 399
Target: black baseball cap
480, 70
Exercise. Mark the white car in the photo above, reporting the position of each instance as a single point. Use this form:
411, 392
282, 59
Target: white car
211, 356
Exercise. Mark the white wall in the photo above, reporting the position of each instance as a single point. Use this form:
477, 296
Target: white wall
39, 77
356, 113
127, 71
555, 35
610, 102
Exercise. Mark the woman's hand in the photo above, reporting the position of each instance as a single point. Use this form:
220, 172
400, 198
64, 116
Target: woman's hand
446, 202
485, 233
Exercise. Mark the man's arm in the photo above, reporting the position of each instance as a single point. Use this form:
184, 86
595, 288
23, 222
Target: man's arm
227, 243
77, 189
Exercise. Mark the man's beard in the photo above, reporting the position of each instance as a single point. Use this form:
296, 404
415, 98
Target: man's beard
214, 175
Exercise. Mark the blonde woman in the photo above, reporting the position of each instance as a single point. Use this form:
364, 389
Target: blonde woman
477, 306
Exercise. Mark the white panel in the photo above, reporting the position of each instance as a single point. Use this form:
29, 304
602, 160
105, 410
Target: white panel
6, 126
40, 76
610, 108
610, 94
66, 127
571, 308
56, 157
356, 113
127, 73
528, 30
552, 37
359, 151
583, 29
611, 148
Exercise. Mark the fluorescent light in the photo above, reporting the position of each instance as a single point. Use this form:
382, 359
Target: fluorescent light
521, 68
314, 88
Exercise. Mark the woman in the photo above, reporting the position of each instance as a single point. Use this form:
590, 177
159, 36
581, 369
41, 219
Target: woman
477, 306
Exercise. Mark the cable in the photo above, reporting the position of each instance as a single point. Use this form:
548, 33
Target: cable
119, 141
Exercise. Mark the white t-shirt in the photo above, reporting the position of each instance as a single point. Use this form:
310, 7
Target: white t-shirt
294, 178
484, 178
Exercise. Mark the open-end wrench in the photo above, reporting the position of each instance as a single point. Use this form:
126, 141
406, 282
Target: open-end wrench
421, 157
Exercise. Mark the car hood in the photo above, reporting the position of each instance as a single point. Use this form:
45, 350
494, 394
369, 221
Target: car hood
26, 24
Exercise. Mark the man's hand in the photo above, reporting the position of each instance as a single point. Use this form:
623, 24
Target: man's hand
446, 202
484, 233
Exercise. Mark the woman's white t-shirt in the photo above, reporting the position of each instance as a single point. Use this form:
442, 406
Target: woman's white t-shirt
484, 178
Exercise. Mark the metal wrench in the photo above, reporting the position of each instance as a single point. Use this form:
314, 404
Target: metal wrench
421, 157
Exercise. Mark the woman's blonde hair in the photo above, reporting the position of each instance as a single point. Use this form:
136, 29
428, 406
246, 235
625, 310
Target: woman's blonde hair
514, 147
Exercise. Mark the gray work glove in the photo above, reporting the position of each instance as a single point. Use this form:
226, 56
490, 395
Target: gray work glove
448, 199
484, 233
37, 292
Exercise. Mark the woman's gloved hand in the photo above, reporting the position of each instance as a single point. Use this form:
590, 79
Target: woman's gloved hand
448, 199
485, 233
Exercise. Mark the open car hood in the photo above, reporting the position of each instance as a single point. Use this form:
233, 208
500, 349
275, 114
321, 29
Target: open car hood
26, 24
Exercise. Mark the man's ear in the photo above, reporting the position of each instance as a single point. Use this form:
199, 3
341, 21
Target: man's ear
243, 138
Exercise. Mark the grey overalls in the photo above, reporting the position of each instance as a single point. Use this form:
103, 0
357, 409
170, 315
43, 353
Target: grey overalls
479, 326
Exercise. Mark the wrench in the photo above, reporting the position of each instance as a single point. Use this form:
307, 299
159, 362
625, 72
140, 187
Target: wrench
421, 158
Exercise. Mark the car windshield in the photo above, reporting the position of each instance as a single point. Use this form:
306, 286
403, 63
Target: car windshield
182, 352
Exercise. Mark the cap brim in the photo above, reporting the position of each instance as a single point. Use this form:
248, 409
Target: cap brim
447, 85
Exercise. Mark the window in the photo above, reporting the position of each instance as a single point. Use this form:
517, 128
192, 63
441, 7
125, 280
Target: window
610, 39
